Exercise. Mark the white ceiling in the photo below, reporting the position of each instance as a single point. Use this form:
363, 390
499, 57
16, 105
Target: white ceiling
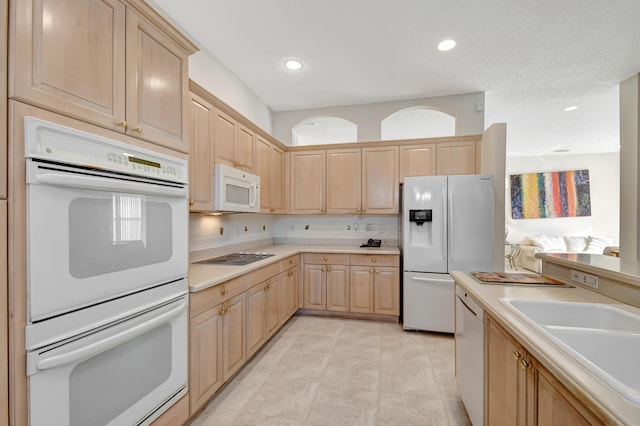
532, 58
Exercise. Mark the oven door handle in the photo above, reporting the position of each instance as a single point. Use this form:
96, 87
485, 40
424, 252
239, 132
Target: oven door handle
106, 184
103, 345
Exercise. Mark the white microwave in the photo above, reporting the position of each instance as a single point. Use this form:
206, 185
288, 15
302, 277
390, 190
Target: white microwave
235, 190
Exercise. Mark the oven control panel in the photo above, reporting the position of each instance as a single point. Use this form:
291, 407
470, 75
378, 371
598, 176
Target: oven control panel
50, 141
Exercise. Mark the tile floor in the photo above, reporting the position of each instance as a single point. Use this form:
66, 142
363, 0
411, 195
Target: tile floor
326, 371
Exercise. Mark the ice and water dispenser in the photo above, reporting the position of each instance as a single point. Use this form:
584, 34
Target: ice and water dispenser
420, 228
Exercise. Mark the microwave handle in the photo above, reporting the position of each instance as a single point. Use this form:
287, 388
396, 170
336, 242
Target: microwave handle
107, 343
106, 184
253, 195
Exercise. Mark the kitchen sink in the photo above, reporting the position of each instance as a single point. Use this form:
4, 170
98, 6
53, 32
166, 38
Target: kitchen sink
575, 314
603, 338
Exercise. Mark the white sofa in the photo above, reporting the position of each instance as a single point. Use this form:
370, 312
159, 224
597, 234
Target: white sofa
530, 246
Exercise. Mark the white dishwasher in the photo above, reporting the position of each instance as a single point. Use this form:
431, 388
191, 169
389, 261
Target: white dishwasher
470, 355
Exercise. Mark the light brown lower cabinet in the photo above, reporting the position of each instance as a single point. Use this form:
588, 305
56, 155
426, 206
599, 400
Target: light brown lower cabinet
521, 391
229, 323
205, 344
363, 284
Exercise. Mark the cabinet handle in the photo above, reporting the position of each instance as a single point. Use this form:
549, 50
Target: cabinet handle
290, 273
375, 271
364, 210
122, 123
323, 210
524, 364
516, 355
373, 259
371, 271
323, 269
359, 210
224, 291
137, 129
290, 261
328, 269
191, 202
272, 210
325, 258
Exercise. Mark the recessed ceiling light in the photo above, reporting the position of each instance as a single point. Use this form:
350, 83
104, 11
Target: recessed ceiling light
561, 150
293, 64
571, 108
446, 45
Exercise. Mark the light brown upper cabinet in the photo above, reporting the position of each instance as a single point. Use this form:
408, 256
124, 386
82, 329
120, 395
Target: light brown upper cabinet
235, 144
271, 169
201, 154
380, 186
308, 182
417, 160
344, 181
362, 180
456, 158
122, 68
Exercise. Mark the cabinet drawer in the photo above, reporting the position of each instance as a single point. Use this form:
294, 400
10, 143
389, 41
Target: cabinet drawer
262, 274
375, 259
326, 258
289, 262
206, 299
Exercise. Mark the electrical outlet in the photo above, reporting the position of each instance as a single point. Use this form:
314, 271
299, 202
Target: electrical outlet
586, 279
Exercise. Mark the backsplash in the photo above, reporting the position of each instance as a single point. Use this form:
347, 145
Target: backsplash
209, 232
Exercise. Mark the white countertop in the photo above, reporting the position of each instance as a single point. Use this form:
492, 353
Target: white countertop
571, 373
202, 276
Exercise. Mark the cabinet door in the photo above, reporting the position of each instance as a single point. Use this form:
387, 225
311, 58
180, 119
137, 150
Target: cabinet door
417, 160
456, 158
4, 343
506, 382
386, 291
244, 149
256, 303
338, 288
4, 5
361, 289
205, 366
315, 292
224, 135
272, 312
344, 181
233, 336
308, 182
69, 56
263, 157
157, 86
200, 158
556, 406
380, 185
293, 290
277, 180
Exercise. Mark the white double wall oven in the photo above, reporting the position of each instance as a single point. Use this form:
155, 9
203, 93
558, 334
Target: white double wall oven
107, 236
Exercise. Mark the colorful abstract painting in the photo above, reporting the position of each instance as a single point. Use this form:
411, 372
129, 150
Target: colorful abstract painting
550, 194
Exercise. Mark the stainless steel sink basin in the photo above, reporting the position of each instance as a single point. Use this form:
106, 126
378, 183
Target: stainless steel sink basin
603, 338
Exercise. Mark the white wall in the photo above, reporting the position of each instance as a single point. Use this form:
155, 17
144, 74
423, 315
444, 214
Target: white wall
629, 161
368, 117
339, 230
204, 230
209, 73
604, 175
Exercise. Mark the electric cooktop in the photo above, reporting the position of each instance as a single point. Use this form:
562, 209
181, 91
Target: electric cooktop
242, 258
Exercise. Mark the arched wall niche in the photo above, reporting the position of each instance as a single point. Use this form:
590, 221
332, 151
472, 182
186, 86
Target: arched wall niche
320, 130
417, 122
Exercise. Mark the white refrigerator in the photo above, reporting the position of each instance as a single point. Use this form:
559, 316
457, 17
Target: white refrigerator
447, 225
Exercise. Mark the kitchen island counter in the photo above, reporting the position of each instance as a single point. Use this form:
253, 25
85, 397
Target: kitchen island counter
202, 276
591, 391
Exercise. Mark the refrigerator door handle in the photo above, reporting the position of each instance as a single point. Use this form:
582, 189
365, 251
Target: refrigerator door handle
431, 280
450, 199
445, 226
